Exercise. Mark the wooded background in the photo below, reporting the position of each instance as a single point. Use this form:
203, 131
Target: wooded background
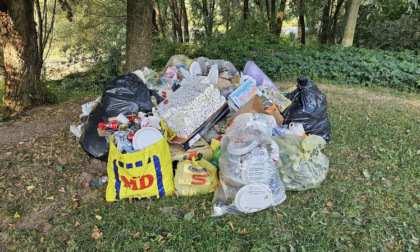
124, 35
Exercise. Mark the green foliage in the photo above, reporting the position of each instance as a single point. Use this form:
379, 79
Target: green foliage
389, 24
282, 59
83, 83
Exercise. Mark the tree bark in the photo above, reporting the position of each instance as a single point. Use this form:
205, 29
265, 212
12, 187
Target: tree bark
273, 17
176, 20
206, 16
280, 17
227, 14
245, 10
138, 35
267, 8
159, 18
21, 58
334, 20
301, 22
351, 23
184, 17
211, 15
325, 26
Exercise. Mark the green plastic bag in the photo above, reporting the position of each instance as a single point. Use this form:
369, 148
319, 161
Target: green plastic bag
301, 163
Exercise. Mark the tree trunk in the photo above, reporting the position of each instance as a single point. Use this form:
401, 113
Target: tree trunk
301, 30
227, 14
325, 26
351, 23
301, 22
184, 21
334, 20
267, 8
211, 15
159, 18
176, 20
138, 35
245, 10
22, 61
273, 17
280, 16
173, 21
206, 17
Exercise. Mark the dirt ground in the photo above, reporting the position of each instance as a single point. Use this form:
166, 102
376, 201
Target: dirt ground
40, 122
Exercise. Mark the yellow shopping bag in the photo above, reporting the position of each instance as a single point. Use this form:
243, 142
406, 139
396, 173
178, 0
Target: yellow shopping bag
195, 177
140, 175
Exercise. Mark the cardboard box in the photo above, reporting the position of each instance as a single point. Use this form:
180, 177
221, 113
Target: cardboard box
255, 106
243, 94
201, 146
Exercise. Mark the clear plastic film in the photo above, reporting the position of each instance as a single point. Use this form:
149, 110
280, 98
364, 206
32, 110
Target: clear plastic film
249, 178
301, 163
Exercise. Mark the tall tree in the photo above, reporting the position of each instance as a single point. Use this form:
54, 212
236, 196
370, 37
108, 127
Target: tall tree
273, 26
351, 23
22, 61
138, 35
280, 17
325, 22
332, 33
159, 18
23, 48
245, 10
176, 19
301, 22
267, 8
184, 18
227, 2
207, 9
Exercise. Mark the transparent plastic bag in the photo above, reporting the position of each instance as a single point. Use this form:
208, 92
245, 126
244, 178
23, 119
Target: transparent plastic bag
301, 163
248, 130
249, 182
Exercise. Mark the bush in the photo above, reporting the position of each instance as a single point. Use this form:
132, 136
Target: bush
282, 59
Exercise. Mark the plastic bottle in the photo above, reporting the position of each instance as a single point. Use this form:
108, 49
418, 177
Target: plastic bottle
98, 181
215, 146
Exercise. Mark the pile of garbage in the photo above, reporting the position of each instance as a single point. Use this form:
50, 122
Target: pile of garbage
200, 126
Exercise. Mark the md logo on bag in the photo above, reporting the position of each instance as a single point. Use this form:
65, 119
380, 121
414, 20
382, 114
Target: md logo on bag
138, 183
146, 181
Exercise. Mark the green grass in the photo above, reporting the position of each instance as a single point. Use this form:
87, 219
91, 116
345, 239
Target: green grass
372, 187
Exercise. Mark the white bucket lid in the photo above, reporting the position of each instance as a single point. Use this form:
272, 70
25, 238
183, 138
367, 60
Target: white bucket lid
146, 137
241, 148
254, 197
214, 74
195, 69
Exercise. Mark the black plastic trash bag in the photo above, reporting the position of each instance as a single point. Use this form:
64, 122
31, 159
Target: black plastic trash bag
125, 94
309, 107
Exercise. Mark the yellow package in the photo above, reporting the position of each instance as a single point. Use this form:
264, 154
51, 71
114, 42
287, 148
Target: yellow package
140, 175
195, 177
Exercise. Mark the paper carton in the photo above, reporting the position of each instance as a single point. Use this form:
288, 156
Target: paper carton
255, 106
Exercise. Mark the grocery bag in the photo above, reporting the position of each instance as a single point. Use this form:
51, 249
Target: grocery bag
195, 177
140, 175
